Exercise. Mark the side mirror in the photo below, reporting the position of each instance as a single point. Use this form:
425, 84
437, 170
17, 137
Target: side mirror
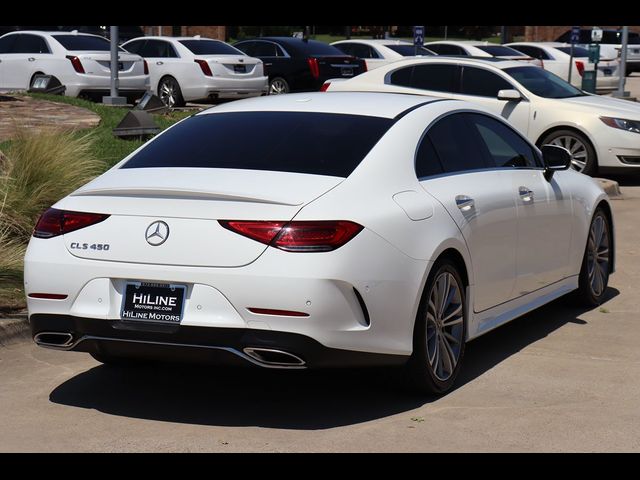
511, 95
555, 158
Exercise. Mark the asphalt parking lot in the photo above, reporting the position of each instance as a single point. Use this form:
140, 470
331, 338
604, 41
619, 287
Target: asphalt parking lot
560, 379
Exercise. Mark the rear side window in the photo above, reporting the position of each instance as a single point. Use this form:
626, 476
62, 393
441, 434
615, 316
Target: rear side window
444, 49
299, 142
505, 147
427, 161
457, 145
84, 43
313, 47
26, 43
440, 78
500, 51
410, 50
577, 51
533, 52
158, 49
265, 49
134, 47
483, 83
402, 77
210, 47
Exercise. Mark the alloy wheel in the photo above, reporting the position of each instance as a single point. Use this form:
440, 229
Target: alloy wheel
278, 87
578, 150
168, 93
598, 255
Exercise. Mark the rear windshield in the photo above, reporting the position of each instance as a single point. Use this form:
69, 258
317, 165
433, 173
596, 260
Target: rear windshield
84, 42
577, 51
319, 48
500, 51
299, 142
409, 50
210, 47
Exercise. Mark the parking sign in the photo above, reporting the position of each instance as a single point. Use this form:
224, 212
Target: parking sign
575, 34
418, 35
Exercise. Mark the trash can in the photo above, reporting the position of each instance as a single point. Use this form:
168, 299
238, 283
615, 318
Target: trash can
589, 81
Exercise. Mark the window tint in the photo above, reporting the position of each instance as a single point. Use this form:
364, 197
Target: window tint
84, 42
6, 43
483, 83
410, 50
437, 77
158, 49
577, 51
301, 142
359, 50
26, 43
543, 83
209, 47
534, 52
265, 49
427, 161
505, 147
500, 51
457, 145
319, 48
445, 49
246, 47
134, 47
402, 77
348, 48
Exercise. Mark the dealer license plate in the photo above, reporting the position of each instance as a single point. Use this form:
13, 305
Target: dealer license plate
153, 302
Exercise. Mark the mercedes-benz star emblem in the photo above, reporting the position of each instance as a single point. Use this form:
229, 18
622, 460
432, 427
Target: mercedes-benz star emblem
157, 233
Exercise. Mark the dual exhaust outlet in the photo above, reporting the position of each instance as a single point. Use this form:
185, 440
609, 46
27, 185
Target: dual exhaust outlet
265, 357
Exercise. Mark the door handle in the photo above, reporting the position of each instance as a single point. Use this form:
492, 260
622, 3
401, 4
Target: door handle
159, 63
525, 194
464, 203
31, 59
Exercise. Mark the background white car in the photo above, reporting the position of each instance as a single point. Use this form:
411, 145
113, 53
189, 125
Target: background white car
183, 69
318, 229
80, 61
600, 132
472, 48
376, 53
555, 56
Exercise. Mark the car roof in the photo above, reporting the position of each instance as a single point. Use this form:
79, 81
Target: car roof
167, 37
500, 63
375, 104
377, 41
55, 32
473, 43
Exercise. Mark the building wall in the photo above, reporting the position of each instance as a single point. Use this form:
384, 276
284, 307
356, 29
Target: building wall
209, 31
549, 33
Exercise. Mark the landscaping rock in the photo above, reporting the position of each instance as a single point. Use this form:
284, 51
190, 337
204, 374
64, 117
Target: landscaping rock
611, 187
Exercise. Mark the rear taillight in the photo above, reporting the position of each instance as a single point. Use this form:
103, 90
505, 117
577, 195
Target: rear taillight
580, 67
205, 67
146, 67
55, 222
77, 64
314, 67
297, 236
264, 68
365, 68
325, 86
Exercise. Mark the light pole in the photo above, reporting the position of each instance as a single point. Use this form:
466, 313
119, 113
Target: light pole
114, 99
620, 93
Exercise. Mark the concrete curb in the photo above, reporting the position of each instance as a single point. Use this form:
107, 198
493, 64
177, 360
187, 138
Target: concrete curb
14, 329
611, 187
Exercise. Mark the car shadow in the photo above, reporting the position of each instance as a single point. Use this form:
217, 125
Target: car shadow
299, 400
629, 180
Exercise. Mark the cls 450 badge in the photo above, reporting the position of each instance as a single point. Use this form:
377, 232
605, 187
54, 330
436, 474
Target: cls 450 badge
86, 246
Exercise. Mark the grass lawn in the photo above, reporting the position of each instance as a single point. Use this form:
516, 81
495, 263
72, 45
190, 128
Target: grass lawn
106, 147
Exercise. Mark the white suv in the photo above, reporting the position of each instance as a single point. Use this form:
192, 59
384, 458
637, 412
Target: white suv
80, 61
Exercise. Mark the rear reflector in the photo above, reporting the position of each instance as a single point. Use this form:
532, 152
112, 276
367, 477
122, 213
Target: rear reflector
314, 67
325, 86
297, 236
146, 67
580, 67
205, 67
48, 296
55, 222
281, 313
77, 64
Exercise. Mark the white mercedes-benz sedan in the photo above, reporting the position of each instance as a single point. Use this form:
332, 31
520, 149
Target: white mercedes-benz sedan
82, 63
602, 133
315, 230
183, 69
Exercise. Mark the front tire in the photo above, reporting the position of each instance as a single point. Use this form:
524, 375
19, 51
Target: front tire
596, 262
583, 156
440, 331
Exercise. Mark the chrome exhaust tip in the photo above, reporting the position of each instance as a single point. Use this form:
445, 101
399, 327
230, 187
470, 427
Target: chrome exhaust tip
276, 358
54, 339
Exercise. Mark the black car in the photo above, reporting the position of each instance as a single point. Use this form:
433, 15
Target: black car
297, 65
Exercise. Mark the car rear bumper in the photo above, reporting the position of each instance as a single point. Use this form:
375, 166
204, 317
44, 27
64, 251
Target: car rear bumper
227, 88
234, 346
96, 84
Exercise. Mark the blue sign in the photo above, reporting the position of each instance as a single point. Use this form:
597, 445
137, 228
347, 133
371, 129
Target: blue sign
575, 34
418, 35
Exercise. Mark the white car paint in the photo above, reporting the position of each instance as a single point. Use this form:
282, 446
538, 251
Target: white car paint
474, 48
408, 224
558, 63
534, 116
381, 50
18, 69
194, 84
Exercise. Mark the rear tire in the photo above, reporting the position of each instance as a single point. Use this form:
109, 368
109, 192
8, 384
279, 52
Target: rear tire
278, 86
170, 93
596, 262
440, 331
